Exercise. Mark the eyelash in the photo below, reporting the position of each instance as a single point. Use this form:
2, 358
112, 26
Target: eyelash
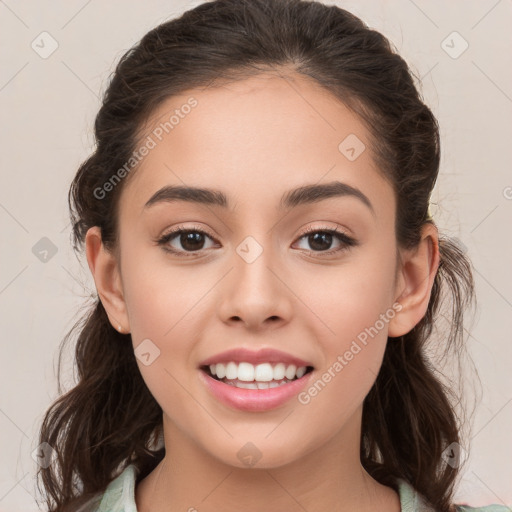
346, 241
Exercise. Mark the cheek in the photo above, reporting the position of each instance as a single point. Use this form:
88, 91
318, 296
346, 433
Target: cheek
346, 300
354, 309
351, 362
162, 305
162, 299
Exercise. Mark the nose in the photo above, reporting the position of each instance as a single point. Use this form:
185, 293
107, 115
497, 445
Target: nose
255, 291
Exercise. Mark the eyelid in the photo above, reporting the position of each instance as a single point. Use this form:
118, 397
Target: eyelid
167, 235
182, 227
347, 241
334, 227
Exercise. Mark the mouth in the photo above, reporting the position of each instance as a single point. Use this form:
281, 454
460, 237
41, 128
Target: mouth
263, 376
255, 380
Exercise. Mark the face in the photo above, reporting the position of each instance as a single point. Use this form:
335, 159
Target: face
258, 271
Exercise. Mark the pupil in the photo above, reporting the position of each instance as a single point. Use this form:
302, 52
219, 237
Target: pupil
315, 238
191, 238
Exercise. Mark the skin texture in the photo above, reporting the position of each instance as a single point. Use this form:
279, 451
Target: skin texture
254, 140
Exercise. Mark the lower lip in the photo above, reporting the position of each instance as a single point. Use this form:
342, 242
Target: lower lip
254, 399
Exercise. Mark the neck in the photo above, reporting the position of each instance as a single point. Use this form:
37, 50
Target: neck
328, 478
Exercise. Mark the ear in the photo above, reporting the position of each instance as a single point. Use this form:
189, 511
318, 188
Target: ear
105, 270
418, 268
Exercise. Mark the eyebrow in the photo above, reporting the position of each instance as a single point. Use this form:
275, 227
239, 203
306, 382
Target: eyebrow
305, 194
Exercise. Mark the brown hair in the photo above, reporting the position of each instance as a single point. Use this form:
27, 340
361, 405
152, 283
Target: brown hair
110, 418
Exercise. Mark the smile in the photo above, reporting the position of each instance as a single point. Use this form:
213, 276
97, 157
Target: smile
255, 387
261, 376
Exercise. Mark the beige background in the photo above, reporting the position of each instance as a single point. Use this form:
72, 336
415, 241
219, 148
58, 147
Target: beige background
48, 108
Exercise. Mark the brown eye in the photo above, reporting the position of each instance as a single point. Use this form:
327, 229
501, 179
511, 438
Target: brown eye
188, 240
320, 240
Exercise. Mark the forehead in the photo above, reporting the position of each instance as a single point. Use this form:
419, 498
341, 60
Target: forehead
263, 134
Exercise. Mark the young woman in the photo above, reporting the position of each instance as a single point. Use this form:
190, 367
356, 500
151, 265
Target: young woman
255, 217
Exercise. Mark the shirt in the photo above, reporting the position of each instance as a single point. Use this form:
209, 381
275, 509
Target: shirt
119, 496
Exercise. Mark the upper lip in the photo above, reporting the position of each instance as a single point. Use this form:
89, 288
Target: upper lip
265, 355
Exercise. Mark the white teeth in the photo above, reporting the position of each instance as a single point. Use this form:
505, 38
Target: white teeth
219, 369
300, 371
279, 370
255, 385
231, 371
261, 373
246, 372
246, 385
290, 371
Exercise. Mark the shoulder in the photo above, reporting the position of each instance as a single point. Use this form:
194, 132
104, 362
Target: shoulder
119, 496
412, 501
487, 508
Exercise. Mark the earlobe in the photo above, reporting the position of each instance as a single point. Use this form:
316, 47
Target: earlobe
417, 273
106, 273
